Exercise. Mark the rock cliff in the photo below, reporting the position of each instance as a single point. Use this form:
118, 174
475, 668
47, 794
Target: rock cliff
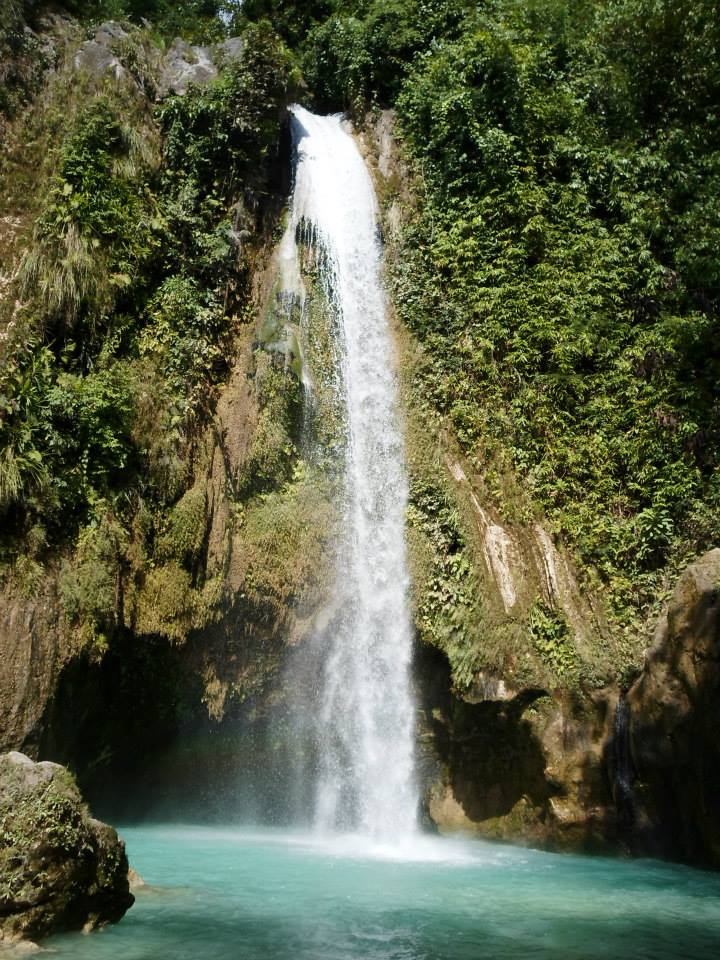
542, 721
535, 725
673, 805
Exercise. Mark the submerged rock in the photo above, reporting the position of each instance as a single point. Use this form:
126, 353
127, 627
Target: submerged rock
59, 868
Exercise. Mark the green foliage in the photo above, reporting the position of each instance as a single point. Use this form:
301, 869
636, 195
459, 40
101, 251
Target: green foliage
560, 279
134, 272
183, 338
197, 20
272, 452
88, 433
363, 52
130, 295
21, 57
89, 583
450, 606
18, 470
166, 603
283, 542
95, 233
562, 274
24, 384
291, 20
553, 642
446, 588
219, 135
185, 535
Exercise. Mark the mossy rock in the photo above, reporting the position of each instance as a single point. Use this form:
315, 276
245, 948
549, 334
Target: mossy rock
59, 868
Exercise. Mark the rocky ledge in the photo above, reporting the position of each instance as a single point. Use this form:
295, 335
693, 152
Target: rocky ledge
604, 769
59, 868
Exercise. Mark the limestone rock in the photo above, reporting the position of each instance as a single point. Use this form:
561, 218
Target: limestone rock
183, 66
96, 56
186, 65
60, 869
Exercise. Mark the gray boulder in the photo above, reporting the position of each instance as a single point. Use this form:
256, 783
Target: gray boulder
96, 56
59, 868
185, 65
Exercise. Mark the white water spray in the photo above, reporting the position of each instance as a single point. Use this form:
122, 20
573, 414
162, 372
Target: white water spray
365, 713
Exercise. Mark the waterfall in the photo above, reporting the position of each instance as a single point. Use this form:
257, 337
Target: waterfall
622, 765
363, 708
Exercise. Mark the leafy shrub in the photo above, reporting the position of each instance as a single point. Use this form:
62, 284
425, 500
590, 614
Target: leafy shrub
88, 435
90, 582
95, 232
183, 339
553, 642
363, 52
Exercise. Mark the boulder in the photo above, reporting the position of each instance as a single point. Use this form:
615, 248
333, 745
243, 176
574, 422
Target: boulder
186, 65
97, 56
59, 868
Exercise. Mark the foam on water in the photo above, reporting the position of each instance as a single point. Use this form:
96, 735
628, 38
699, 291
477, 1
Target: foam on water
224, 893
415, 848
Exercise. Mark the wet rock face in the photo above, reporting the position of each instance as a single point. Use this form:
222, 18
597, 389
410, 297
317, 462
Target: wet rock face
639, 773
518, 765
59, 868
674, 725
32, 655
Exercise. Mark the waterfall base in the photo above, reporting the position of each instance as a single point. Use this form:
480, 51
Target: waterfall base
223, 893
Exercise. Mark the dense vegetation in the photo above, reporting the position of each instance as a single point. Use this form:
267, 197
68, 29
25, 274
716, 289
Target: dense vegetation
141, 228
562, 272
198, 21
559, 269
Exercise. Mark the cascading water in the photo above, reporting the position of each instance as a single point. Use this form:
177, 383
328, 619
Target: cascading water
364, 711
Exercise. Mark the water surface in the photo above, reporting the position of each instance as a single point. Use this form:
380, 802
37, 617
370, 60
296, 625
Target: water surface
226, 894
